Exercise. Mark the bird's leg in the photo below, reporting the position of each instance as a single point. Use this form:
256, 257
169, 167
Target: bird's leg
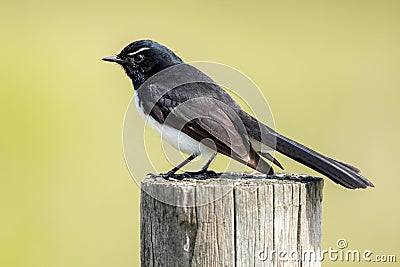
205, 167
204, 170
177, 168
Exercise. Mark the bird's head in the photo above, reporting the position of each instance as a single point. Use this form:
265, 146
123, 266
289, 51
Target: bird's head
142, 59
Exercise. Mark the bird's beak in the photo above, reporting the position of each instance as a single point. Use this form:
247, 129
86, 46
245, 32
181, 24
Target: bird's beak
115, 59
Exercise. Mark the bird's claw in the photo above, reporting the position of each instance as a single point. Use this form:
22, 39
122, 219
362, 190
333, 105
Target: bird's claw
179, 176
199, 175
206, 173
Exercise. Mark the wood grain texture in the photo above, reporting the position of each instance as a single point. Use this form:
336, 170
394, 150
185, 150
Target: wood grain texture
231, 221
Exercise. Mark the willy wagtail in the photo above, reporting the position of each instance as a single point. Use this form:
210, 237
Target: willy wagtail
197, 116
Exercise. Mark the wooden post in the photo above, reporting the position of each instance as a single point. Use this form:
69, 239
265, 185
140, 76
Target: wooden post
231, 221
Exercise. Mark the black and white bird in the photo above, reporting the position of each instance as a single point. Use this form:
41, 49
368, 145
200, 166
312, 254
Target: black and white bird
197, 116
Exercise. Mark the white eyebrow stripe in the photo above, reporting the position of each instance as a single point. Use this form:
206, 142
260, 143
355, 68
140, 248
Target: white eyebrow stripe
138, 51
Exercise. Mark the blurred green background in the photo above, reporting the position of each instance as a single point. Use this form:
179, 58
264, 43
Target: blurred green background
330, 70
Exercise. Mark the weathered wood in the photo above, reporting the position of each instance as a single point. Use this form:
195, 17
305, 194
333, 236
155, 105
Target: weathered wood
231, 221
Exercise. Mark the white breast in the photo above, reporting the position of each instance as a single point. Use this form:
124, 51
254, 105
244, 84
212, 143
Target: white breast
177, 139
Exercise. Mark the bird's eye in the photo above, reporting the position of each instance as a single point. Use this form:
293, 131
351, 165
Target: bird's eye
138, 58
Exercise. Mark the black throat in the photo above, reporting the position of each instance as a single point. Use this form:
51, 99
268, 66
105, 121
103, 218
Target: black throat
140, 74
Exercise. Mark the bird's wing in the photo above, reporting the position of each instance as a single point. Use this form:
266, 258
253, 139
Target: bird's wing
206, 118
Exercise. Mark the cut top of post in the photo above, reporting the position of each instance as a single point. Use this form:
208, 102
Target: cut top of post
181, 192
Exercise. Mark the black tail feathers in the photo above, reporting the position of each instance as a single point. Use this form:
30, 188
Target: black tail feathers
339, 172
